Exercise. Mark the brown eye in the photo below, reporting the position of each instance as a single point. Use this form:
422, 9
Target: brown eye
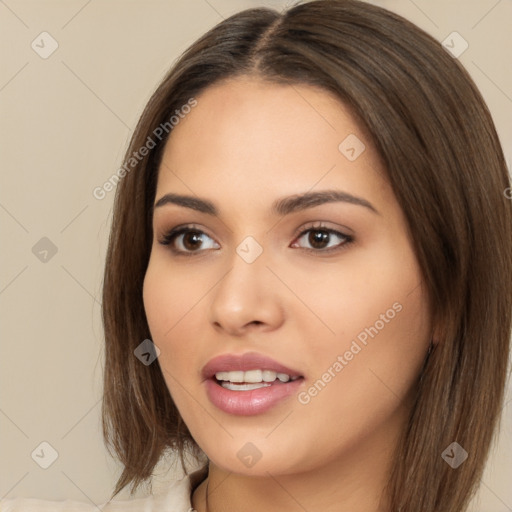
318, 238
187, 240
192, 240
322, 239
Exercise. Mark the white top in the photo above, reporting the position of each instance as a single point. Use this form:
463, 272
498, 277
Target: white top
176, 498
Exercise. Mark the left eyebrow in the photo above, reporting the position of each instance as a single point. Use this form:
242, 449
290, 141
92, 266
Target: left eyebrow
287, 205
281, 207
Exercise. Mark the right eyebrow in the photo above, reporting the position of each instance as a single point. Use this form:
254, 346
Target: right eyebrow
195, 203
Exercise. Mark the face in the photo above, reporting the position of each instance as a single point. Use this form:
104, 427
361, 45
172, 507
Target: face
324, 284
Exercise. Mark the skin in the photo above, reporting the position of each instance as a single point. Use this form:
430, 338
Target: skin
246, 144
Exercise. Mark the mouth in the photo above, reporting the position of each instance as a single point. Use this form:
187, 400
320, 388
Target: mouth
251, 398
250, 367
250, 383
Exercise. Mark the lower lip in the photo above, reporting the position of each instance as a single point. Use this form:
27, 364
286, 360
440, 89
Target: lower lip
248, 403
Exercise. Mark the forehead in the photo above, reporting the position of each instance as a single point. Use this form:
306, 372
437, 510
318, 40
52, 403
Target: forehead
256, 138
244, 109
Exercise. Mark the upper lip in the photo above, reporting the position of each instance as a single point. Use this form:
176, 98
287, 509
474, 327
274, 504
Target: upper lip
244, 362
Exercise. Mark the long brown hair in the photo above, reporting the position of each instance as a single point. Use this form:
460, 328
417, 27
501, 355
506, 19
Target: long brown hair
444, 162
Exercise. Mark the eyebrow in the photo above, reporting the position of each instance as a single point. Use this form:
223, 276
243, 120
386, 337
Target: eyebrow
281, 207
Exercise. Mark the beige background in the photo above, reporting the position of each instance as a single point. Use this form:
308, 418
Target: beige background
65, 122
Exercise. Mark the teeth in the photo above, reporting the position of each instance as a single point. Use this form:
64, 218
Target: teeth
231, 376
268, 376
244, 387
253, 376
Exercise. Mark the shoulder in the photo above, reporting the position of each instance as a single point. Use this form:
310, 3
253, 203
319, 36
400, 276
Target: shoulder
176, 497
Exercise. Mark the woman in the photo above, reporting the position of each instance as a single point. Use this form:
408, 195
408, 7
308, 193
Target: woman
308, 281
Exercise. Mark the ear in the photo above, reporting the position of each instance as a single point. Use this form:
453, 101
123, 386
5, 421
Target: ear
438, 333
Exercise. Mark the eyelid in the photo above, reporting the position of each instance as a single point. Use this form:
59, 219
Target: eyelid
319, 224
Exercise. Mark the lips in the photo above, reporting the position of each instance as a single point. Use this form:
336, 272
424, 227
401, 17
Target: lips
242, 399
245, 362
256, 401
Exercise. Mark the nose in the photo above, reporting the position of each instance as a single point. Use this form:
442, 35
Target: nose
247, 298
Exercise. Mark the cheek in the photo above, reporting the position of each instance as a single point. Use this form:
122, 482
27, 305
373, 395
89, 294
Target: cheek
362, 381
173, 299
372, 313
169, 296
375, 367
341, 300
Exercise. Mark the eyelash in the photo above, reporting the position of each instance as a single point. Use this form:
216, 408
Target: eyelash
169, 238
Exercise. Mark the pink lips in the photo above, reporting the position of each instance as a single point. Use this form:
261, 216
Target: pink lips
255, 401
244, 362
